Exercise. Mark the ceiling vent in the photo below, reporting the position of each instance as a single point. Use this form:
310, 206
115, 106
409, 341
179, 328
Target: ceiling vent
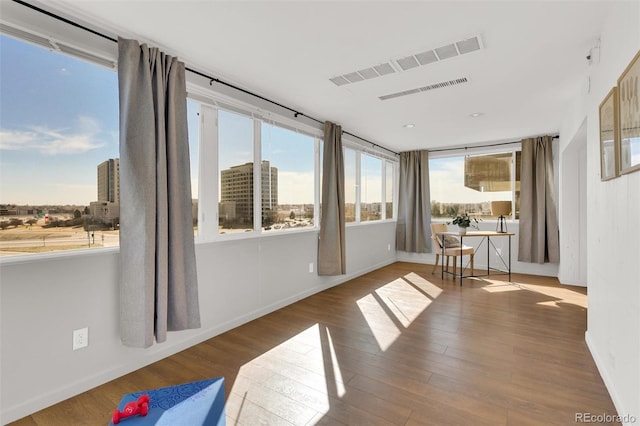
406, 63
440, 85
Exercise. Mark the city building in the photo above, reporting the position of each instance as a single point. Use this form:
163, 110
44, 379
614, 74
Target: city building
236, 193
107, 207
109, 180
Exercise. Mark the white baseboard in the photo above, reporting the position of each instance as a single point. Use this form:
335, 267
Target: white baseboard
608, 382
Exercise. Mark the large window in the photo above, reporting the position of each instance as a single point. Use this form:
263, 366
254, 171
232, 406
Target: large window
389, 189
288, 178
367, 180
350, 185
283, 193
371, 192
60, 175
60, 172
471, 183
235, 161
59, 178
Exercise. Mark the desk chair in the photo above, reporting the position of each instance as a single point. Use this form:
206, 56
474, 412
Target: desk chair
452, 247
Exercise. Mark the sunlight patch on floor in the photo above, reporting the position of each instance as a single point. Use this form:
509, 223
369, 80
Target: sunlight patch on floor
424, 285
561, 294
403, 300
337, 374
392, 307
303, 368
496, 286
381, 325
551, 303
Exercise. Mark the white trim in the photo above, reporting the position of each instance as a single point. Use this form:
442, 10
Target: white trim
208, 184
52, 255
471, 151
358, 186
608, 382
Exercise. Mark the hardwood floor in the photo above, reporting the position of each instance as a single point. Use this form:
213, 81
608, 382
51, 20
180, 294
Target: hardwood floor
397, 346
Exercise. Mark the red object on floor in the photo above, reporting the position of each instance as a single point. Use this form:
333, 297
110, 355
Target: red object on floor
139, 407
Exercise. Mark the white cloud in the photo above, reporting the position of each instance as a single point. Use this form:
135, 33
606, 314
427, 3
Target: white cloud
295, 187
82, 138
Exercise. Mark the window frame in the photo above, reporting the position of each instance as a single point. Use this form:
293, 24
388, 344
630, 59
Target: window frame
511, 148
208, 171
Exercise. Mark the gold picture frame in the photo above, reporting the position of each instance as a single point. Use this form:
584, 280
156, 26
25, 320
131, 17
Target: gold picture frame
629, 117
609, 136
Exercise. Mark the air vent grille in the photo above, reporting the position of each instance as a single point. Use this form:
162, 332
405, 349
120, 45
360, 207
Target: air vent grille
412, 61
440, 85
384, 69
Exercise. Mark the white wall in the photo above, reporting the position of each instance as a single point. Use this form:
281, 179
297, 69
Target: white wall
44, 298
573, 211
613, 236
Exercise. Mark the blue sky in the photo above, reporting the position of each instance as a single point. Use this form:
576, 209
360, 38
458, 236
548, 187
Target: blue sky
59, 120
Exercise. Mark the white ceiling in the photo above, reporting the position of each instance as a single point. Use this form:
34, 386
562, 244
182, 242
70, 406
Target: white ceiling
533, 62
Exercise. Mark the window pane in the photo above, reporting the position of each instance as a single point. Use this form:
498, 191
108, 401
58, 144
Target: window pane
389, 182
58, 138
235, 153
287, 178
371, 192
469, 184
193, 121
350, 184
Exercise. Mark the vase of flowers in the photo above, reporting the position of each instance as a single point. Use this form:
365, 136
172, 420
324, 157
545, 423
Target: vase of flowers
464, 221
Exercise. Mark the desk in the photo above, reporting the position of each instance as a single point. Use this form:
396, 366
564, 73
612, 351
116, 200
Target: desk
484, 235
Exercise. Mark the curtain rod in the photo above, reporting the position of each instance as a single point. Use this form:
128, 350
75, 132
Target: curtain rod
296, 113
481, 146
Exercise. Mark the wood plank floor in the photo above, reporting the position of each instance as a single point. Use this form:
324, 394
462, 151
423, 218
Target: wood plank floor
397, 346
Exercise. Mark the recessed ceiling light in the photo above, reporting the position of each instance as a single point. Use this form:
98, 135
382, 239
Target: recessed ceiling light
476, 114
409, 126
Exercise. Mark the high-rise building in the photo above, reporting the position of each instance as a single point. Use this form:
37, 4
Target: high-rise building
236, 200
109, 180
107, 207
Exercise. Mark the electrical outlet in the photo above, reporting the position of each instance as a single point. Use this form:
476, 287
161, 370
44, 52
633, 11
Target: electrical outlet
80, 338
388, 247
311, 267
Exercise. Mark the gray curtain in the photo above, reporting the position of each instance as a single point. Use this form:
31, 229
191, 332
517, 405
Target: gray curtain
414, 204
158, 283
331, 239
538, 220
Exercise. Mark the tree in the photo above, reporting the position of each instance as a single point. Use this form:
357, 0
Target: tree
77, 214
4, 225
292, 215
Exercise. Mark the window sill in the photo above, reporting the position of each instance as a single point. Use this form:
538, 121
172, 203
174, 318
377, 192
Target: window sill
57, 255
